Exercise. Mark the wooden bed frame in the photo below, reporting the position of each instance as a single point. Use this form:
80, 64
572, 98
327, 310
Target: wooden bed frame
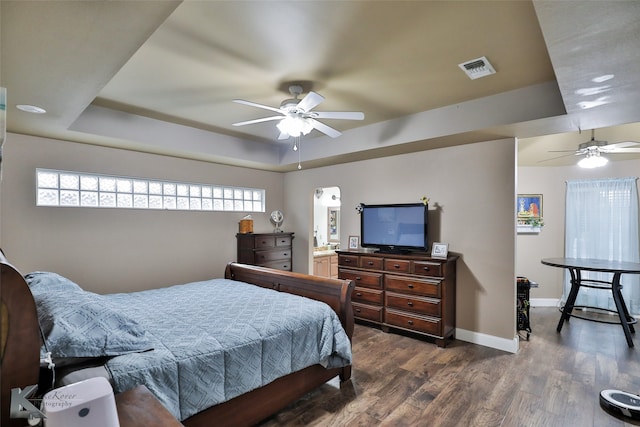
20, 345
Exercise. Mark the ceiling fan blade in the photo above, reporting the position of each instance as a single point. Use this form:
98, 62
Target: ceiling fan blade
623, 144
622, 150
327, 130
253, 104
310, 101
265, 119
558, 157
283, 135
342, 115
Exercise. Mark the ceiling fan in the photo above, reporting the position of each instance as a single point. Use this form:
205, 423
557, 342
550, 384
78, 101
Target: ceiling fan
296, 118
593, 149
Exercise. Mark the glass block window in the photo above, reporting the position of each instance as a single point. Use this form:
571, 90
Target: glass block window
79, 189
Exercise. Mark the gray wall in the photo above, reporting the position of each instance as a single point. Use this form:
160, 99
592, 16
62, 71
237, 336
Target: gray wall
472, 192
109, 250
471, 187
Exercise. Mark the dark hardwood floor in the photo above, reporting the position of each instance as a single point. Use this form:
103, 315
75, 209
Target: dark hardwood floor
554, 380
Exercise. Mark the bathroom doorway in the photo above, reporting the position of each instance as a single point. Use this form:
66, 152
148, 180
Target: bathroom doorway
326, 231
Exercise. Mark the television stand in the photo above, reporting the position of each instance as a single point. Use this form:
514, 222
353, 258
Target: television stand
408, 292
393, 251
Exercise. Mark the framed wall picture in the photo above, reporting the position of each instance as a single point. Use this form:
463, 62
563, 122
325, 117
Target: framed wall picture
529, 206
354, 242
439, 250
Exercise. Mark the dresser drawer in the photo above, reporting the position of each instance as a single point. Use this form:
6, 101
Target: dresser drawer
371, 263
348, 260
264, 242
426, 268
414, 322
362, 278
283, 264
409, 285
283, 241
414, 304
264, 256
367, 312
397, 265
370, 296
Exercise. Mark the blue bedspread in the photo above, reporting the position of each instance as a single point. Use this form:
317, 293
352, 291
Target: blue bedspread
217, 339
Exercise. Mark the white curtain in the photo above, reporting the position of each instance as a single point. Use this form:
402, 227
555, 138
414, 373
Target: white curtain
601, 221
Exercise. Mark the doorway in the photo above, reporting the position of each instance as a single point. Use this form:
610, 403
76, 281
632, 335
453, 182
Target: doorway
326, 231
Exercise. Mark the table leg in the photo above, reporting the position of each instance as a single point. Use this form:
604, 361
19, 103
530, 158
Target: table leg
622, 308
571, 299
630, 320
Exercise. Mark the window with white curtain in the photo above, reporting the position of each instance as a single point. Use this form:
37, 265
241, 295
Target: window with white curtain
80, 189
601, 222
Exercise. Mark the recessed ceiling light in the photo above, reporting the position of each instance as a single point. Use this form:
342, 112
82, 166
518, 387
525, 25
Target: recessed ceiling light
31, 108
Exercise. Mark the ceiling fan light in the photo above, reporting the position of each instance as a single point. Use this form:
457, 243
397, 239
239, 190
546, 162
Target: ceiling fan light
593, 161
295, 126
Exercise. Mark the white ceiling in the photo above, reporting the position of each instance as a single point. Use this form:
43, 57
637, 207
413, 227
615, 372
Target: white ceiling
160, 76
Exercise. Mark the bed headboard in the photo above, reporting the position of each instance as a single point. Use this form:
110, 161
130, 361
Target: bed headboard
19, 338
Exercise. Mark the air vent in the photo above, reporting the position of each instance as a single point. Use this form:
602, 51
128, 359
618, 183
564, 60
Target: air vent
477, 68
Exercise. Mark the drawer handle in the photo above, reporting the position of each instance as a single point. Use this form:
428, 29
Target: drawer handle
409, 303
285, 254
426, 269
347, 261
357, 310
410, 286
358, 278
370, 263
283, 241
396, 266
410, 322
358, 294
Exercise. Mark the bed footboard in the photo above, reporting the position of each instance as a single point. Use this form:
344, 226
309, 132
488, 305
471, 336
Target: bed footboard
334, 292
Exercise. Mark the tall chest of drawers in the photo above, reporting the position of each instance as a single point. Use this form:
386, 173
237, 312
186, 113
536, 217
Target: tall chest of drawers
412, 292
271, 250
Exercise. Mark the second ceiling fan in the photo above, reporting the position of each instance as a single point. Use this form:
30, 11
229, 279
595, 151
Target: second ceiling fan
296, 118
592, 150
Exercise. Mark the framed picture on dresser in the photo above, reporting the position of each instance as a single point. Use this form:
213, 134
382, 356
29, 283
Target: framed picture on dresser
439, 250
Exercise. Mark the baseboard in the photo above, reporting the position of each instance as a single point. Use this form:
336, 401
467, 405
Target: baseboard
544, 302
503, 344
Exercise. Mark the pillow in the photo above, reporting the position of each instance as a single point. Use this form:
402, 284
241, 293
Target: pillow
81, 324
41, 282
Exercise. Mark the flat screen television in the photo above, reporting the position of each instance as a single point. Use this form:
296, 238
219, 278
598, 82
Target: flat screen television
394, 227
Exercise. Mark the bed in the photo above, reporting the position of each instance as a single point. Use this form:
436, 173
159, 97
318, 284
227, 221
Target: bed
275, 388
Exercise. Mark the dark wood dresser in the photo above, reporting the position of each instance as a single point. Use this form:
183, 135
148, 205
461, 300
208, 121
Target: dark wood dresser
271, 250
413, 292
